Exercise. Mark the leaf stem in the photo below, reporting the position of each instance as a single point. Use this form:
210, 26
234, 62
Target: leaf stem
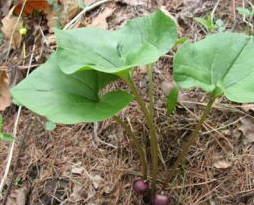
154, 149
192, 139
140, 149
150, 89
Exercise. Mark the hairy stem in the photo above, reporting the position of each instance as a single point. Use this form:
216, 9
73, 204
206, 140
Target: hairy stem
150, 89
152, 131
139, 147
192, 139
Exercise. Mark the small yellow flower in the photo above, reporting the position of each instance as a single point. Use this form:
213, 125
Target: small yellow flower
23, 31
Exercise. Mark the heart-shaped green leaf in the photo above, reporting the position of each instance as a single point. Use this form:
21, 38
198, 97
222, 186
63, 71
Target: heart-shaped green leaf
219, 64
142, 41
69, 99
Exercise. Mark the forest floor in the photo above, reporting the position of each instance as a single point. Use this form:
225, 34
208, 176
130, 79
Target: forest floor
95, 164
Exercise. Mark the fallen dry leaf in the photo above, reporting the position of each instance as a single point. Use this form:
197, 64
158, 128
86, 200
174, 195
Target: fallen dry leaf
77, 168
9, 23
247, 128
5, 97
18, 197
31, 6
100, 21
97, 180
222, 164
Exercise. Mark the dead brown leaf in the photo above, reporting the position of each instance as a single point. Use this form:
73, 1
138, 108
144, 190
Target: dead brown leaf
31, 6
100, 21
247, 128
9, 22
5, 97
222, 164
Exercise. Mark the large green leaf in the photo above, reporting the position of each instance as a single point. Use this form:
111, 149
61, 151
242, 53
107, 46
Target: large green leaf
142, 41
69, 99
219, 64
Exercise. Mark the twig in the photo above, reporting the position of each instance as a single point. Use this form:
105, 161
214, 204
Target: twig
227, 107
193, 185
9, 158
74, 21
21, 146
214, 9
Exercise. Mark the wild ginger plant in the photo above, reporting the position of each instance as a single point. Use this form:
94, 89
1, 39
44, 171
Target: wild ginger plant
67, 88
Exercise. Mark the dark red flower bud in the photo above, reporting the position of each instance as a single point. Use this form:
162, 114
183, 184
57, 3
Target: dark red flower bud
140, 186
161, 199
